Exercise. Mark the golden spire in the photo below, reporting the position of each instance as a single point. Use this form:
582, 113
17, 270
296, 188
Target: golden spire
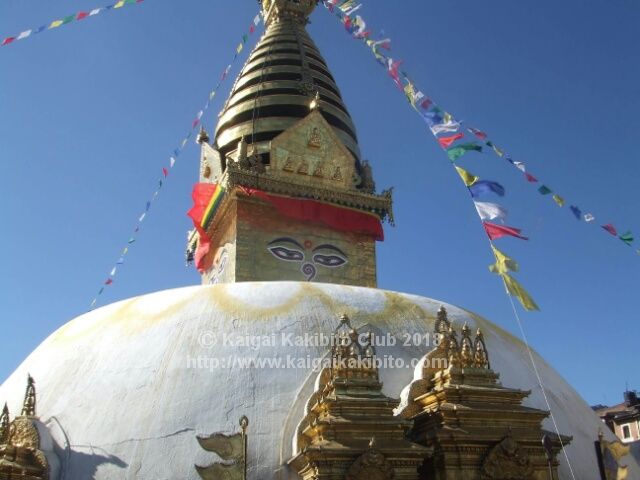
4, 425
29, 405
274, 10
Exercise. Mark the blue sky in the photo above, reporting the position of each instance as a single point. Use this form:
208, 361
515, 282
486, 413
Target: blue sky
90, 112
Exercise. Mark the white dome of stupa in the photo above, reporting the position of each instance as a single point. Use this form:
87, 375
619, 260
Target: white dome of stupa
124, 390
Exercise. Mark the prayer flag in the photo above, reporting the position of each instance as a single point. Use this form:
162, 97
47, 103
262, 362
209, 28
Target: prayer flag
433, 118
520, 166
468, 178
239, 48
498, 231
499, 152
611, 229
446, 127
113, 271
627, 238
559, 200
245, 37
24, 34
119, 4
503, 264
95, 11
446, 142
490, 211
456, 152
252, 28
544, 190
131, 240
68, 19
486, 186
55, 24
165, 172
120, 261
515, 289
256, 20
576, 211
589, 217
7, 41
172, 162
142, 217
148, 206
530, 178
478, 133
108, 282
82, 15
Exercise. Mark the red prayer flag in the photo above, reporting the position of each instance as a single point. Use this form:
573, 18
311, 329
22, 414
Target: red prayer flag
530, 178
497, 231
445, 142
109, 281
478, 133
611, 229
195, 123
252, 28
7, 41
82, 15
165, 172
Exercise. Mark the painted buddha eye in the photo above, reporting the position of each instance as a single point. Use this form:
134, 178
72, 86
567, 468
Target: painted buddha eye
331, 261
287, 254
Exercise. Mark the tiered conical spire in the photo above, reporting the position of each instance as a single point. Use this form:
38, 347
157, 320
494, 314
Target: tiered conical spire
279, 81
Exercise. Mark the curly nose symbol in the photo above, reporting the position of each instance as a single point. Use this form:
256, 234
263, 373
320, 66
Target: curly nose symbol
309, 271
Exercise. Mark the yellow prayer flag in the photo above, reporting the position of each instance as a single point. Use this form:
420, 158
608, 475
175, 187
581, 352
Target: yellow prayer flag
504, 264
56, 23
515, 289
239, 49
559, 200
468, 178
119, 4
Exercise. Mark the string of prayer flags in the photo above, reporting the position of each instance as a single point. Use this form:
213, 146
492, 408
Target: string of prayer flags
441, 122
486, 186
171, 163
457, 151
66, 20
498, 231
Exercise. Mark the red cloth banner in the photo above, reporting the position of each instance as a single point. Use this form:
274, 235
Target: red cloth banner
340, 218
201, 194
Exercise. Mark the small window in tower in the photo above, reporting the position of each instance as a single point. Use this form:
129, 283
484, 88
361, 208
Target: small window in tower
626, 431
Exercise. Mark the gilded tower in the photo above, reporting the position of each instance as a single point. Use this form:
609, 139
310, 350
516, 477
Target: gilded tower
283, 192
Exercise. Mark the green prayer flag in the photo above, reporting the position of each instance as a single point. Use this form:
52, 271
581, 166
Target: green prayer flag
456, 152
544, 190
627, 238
245, 37
68, 19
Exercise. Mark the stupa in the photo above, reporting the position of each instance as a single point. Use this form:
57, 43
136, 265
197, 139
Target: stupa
338, 379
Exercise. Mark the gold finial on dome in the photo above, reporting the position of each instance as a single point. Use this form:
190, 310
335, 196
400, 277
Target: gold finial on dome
274, 10
29, 405
4, 425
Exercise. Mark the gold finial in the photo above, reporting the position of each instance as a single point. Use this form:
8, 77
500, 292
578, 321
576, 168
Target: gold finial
298, 10
4, 425
203, 136
442, 323
29, 405
481, 355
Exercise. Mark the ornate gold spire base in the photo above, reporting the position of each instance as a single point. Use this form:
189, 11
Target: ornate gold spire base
20, 454
477, 428
349, 431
